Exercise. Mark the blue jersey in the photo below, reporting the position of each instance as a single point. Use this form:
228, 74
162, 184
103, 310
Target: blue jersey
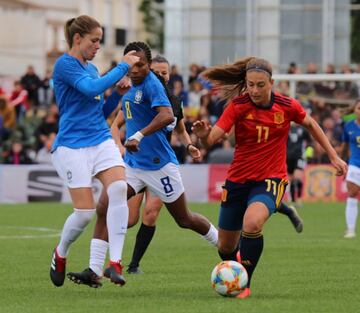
79, 95
351, 135
139, 106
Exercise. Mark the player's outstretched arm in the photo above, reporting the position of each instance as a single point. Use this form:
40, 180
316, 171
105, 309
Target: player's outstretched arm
207, 134
186, 140
318, 134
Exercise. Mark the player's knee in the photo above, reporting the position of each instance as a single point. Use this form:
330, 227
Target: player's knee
117, 191
252, 226
150, 217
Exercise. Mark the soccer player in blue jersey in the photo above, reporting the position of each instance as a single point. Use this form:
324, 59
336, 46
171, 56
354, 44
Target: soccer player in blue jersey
161, 67
351, 142
84, 147
150, 161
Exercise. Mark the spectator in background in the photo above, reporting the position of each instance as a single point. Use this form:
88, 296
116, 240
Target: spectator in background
31, 82
293, 68
17, 154
43, 156
49, 124
19, 100
194, 73
175, 77
8, 118
195, 94
178, 91
338, 124
46, 94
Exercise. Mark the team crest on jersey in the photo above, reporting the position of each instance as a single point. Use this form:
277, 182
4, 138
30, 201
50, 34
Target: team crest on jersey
279, 117
138, 96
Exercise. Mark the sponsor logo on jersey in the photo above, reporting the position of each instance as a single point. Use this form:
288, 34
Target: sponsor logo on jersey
98, 97
249, 117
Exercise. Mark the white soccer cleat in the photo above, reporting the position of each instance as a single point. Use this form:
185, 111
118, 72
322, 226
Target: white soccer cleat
350, 234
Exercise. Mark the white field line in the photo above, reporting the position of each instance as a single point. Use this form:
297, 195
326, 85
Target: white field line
46, 232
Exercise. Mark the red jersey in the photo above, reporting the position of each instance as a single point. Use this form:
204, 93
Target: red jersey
261, 136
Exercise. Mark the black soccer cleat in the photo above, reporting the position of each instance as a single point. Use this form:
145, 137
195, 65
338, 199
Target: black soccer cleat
295, 219
114, 273
134, 270
87, 277
57, 269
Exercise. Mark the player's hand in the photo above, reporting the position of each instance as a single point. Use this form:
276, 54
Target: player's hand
132, 145
194, 152
123, 85
121, 148
130, 58
201, 129
340, 167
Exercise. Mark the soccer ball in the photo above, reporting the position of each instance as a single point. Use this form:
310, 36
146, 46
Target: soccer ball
229, 278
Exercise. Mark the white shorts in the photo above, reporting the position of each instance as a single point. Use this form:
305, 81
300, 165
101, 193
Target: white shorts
353, 175
166, 183
77, 167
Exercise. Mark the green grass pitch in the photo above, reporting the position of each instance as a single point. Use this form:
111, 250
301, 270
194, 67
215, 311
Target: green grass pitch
316, 271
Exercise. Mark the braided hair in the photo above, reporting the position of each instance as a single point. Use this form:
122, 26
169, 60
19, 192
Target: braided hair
142, 46
139, 46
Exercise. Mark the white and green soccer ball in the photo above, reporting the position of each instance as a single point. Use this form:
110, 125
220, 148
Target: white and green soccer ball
229, 278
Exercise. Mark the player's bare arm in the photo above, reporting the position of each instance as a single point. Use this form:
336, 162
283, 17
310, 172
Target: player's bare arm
186, 141
207, 134
164, 117
318, 134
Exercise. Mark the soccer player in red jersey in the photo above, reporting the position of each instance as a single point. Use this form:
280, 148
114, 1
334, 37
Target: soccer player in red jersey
257, 177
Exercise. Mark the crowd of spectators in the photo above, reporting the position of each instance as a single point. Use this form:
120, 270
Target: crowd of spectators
29, 114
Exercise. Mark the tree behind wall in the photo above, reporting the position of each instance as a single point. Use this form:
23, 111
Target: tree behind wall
153, 18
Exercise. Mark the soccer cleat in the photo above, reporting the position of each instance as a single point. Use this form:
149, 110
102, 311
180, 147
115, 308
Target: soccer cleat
244, 294
57, 269
295, 219
134, 270
114, 273
86, 277
350, 234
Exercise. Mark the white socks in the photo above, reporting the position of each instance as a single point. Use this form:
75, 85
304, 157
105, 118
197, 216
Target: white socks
351, 213
98, 250
73, 227
117, 218
212, 235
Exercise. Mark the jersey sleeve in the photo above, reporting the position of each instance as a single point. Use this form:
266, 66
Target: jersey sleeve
157, 94
227, 119
298, 112
74, 75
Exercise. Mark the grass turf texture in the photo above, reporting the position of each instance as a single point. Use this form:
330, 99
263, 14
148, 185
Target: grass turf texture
316, 271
